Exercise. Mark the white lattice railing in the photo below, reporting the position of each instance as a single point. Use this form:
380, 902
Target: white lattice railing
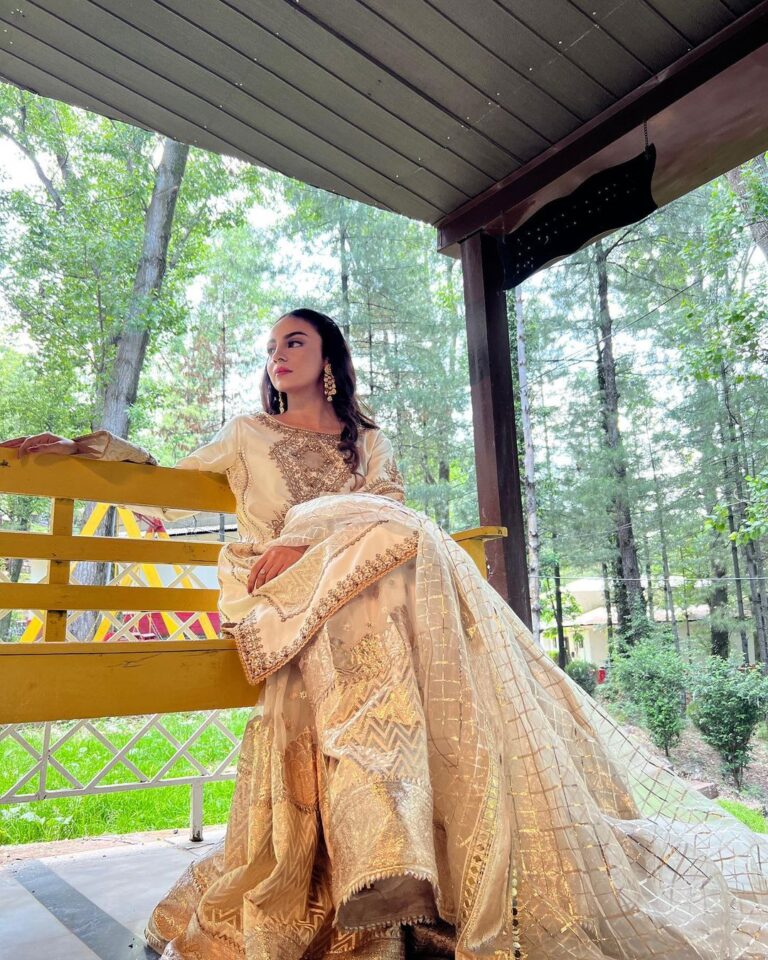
50, 774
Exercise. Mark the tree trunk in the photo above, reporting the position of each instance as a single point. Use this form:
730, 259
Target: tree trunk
608, 607
371, 377
621, 599
748, 549
123, 383
442, 508
223, 419
669, 598
630, 600
562, 650
736, 562
122, 386
758, 224
15, 565
753, 575
534, 574
756, 545
344, 261
718, 605
760, 583
649, 579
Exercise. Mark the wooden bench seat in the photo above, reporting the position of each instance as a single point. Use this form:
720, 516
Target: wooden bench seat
57, 680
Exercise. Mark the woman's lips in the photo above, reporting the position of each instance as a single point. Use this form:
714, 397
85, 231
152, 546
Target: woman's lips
279, 373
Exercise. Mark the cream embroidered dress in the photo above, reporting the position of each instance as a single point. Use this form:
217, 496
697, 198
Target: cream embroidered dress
423, 780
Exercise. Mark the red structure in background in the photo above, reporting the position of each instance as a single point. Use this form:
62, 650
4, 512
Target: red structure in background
151, 626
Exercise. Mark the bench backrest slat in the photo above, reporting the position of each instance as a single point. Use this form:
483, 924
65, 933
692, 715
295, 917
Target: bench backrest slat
78, 478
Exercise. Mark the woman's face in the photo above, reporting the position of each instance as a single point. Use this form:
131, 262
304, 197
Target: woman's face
294, 354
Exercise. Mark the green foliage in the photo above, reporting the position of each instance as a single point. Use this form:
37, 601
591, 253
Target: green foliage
33, 400
72, 244
584, 673
755, 522
652, 675
571, 607
733, 339
639, 629
65, 818
621, 708
687, 293
729, 701
400, 305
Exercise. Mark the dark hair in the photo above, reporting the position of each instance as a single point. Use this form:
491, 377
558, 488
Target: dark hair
346, 405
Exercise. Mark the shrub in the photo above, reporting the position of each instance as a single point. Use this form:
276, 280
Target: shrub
652, 676
638, 630
729, 700
621, 708
584, 673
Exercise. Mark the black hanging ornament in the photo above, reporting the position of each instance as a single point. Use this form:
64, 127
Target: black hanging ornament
609, 199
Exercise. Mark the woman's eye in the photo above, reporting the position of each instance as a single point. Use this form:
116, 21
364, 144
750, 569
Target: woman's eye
270, 349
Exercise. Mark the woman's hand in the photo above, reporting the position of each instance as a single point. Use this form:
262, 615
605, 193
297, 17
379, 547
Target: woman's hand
42, 443
272, 562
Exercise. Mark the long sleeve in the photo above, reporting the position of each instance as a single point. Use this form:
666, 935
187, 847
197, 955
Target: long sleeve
103, 445
217, 456
382, 476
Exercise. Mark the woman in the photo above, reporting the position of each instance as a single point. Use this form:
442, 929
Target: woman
423, 780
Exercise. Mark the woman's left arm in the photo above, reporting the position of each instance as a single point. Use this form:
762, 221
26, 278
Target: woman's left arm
382, 475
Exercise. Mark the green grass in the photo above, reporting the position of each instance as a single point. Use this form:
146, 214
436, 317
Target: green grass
155, 808
754, 820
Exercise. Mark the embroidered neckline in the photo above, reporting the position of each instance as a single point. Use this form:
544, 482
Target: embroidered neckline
318, 433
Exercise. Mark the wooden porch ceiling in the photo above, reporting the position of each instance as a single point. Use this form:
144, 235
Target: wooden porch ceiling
442, 110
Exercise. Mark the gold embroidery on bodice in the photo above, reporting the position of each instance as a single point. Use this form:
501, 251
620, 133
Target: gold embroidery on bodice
309, 463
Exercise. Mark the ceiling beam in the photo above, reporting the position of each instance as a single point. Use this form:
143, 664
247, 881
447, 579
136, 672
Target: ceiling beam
708, 60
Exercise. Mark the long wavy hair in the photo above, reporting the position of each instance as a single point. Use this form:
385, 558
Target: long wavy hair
346, 405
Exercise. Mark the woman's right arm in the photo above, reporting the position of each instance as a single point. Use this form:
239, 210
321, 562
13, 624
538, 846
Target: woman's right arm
101, 445
217, 455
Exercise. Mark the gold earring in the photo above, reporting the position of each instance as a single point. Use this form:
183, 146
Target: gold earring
329, 383
280, 404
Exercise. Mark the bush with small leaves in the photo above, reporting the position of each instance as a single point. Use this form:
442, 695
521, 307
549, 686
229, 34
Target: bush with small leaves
729, 700
652, 676
584, 673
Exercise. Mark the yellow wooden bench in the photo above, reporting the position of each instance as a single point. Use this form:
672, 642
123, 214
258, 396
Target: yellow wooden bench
59, 680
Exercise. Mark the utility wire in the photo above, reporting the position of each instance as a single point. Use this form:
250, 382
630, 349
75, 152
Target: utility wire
673, 576
575, 357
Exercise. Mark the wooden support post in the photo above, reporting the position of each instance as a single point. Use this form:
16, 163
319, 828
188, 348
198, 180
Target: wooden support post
196, 812
493, 414
55, 629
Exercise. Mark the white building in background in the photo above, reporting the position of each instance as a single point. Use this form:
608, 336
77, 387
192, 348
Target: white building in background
592, 624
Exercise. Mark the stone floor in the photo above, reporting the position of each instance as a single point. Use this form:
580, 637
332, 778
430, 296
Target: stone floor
89, 899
